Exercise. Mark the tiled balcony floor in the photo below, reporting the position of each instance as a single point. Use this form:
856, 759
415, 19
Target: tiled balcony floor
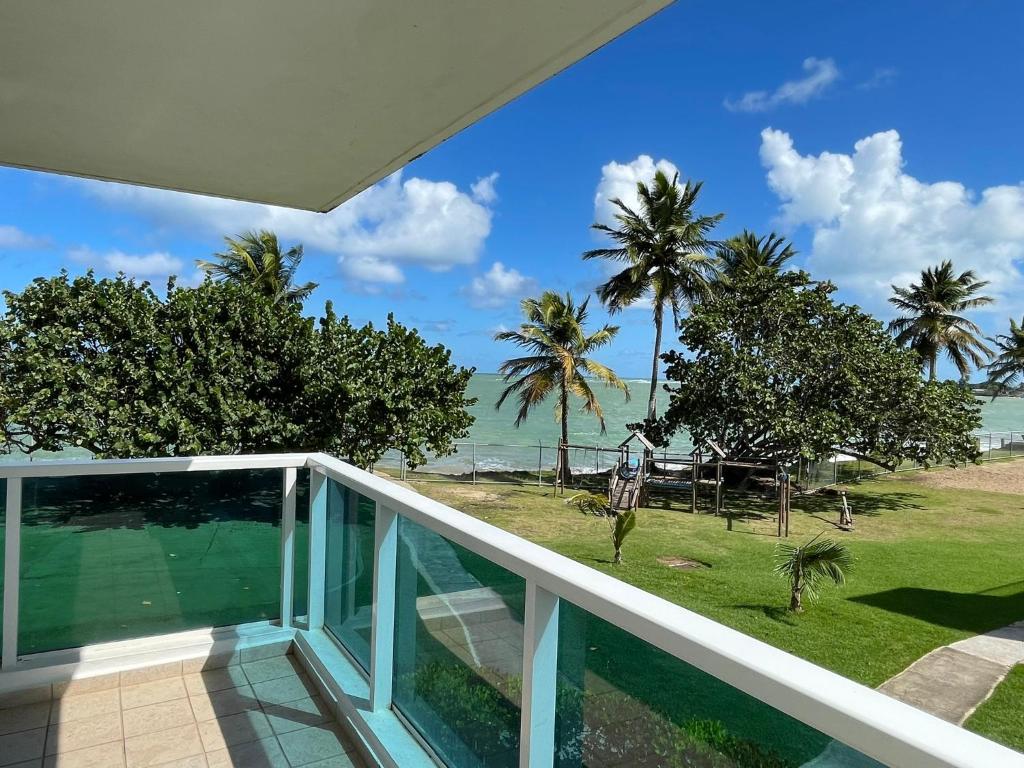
264, 713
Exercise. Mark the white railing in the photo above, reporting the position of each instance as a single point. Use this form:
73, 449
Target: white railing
864, 719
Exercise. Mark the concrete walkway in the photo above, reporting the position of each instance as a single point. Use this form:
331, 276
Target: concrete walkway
952, 681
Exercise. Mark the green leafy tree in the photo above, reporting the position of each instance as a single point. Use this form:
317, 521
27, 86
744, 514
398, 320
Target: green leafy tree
665, 248
747, 253
1006, 371
776, 369
256, 259
807, 566
110, 366
932, 321
384, 388
558, 362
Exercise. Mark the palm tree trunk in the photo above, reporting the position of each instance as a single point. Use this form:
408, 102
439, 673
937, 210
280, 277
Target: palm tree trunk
795, 599
564, 406
652, 403
931, 367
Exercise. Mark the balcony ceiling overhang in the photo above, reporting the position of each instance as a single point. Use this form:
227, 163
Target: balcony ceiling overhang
301, 104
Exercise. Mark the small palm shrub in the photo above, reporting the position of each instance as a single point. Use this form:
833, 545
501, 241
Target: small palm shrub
619, 523
810, 564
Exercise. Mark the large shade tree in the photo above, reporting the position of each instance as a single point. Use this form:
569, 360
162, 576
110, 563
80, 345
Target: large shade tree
558, 361
256, 259
933, 322
1006, 371
774, 368
111, 366
665, 251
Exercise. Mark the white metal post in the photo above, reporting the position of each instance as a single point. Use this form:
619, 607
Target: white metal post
540, 675
12, 572
317, 547
382, 628
288, 491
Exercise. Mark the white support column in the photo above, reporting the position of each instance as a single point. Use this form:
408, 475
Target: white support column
540, 673
288, 491
382, 631
317, 547
12, 572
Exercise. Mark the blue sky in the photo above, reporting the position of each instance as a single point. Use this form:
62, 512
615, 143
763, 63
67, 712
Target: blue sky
880, 137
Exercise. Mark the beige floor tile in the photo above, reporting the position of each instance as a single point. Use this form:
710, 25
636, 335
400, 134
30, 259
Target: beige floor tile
224, 703
86, 685
87, 732
157, 717
285, 689
103, 756
213, 661
266, 651
22, 746
234, 729
199, 683
317, 742
152, 749
195, 761
254, 754
149, 674
26, 696
271, 669
24, 718
152, 693
85, 705
296, 715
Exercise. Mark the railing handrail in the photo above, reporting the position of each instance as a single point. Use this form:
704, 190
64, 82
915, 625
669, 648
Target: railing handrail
854, 714
860, 717
82, 467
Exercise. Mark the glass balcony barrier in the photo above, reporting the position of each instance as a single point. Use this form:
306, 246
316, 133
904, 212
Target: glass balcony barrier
480, 648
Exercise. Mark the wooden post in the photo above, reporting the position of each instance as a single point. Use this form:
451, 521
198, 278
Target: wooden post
693, 485
718, 487
789, 504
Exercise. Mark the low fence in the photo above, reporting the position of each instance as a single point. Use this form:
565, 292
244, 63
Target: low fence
522, 463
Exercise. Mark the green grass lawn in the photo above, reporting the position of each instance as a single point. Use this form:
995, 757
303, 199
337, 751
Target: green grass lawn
1002, 716
931, 566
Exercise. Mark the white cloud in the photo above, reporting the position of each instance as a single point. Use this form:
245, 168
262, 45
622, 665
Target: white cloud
149, 265
391, 225
483, 190
873, 224
619, 180
882, 76
498, 285
821, 73
16, 239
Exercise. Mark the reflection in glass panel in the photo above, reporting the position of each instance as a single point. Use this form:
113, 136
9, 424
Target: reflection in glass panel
114, 557
300, 572
348, 592
458, 650
621, 701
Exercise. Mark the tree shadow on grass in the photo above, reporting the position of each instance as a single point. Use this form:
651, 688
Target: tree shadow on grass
976, 612
827, 505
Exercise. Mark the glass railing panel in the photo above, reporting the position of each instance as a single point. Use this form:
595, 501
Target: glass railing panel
621, 701
113, 557
458, 650
348, 592
300, 572
3, 546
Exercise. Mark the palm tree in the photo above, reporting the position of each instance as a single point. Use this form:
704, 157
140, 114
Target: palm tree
255, 258
807, 566
558, 361
933, 321
746, 254
665, 248
1006, 371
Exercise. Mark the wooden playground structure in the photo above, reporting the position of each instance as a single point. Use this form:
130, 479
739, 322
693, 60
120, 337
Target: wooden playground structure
698, 476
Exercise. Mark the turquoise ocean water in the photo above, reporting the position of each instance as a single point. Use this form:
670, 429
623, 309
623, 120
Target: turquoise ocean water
493, 428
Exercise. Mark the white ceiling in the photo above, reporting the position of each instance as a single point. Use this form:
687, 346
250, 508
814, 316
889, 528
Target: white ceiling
301, 103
